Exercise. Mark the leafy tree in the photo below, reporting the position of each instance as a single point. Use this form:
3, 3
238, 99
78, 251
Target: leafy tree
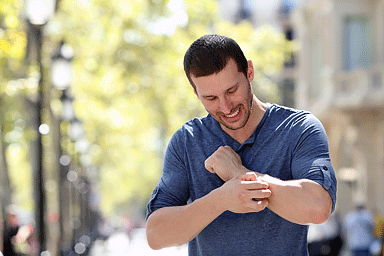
129, 85
13, 86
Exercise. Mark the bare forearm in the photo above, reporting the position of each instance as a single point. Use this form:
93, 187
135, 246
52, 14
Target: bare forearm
299, 201
174, 226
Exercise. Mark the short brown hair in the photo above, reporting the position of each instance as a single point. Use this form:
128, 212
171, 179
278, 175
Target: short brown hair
210, 54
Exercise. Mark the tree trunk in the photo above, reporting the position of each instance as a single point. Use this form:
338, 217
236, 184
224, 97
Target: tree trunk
5, 187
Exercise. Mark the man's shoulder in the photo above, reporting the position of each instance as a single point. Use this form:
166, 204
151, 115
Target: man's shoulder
197, 126
284, 115
197, 133
194, 123
276, 109
193, 136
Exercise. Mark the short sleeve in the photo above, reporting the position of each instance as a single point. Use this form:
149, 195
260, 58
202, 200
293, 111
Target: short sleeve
172, 189
311, 157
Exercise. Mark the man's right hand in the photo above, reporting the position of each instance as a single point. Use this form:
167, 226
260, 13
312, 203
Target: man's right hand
177, 225
226, 163
238, 194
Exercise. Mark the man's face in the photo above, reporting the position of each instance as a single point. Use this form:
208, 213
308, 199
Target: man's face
227, 95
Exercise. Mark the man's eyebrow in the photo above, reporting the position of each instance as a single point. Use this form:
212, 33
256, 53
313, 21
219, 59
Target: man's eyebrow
232, 87
209, 96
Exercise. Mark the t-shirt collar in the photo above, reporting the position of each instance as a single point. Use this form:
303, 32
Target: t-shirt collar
229, 141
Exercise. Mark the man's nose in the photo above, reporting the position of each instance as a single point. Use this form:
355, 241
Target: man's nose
226, 106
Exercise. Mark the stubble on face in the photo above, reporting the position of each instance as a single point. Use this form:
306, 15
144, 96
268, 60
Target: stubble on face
245, 109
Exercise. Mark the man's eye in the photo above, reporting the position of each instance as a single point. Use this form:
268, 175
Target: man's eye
210, 98
232, 90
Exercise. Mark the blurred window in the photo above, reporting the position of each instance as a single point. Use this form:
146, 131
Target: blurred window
288, 92
357, 42
316, 62
290, 36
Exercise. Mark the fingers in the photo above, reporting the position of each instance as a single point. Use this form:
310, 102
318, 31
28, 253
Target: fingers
245, 196
225, 162
256, 194
255, 201
209, 164
223, 152
227, 149
209, 167
256, 206
254, 185
249, 176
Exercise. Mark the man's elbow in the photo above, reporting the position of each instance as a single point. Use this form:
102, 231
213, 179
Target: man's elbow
321, 217
322, 211
157, 237
152, 243
151, 239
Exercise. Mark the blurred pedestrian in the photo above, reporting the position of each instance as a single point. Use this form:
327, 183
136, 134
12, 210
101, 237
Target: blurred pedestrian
358, 226
15, 234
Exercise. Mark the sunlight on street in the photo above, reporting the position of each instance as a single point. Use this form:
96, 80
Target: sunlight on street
119, 244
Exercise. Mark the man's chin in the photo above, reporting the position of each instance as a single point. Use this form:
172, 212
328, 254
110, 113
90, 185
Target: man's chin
232, 126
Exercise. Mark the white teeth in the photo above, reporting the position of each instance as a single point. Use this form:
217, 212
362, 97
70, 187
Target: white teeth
234, 114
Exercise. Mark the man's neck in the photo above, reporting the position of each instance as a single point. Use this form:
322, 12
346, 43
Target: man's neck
257, 113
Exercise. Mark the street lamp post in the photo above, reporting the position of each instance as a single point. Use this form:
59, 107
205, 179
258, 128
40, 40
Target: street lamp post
61, 75
61, 67
37, 14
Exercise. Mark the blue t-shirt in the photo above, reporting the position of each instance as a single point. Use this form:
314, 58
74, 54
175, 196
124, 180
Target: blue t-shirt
287, 144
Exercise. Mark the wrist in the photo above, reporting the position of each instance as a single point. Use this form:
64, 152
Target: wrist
241, 171
274, 184
216, 200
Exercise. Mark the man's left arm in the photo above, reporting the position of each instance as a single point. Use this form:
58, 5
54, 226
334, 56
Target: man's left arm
300, 201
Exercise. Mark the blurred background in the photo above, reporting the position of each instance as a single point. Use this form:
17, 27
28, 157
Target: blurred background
92, 90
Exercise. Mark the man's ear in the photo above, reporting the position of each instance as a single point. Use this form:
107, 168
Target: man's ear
250, 71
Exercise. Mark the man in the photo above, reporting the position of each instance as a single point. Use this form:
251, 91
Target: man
247, 178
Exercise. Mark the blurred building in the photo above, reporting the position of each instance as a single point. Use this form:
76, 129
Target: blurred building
340, 80
337, 75
257, 12
272, 12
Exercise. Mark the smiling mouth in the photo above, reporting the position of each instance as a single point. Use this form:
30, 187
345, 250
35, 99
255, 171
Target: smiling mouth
234, 114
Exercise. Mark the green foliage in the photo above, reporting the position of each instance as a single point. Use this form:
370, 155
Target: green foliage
130, 88
12, 40
13, 86
129, 85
